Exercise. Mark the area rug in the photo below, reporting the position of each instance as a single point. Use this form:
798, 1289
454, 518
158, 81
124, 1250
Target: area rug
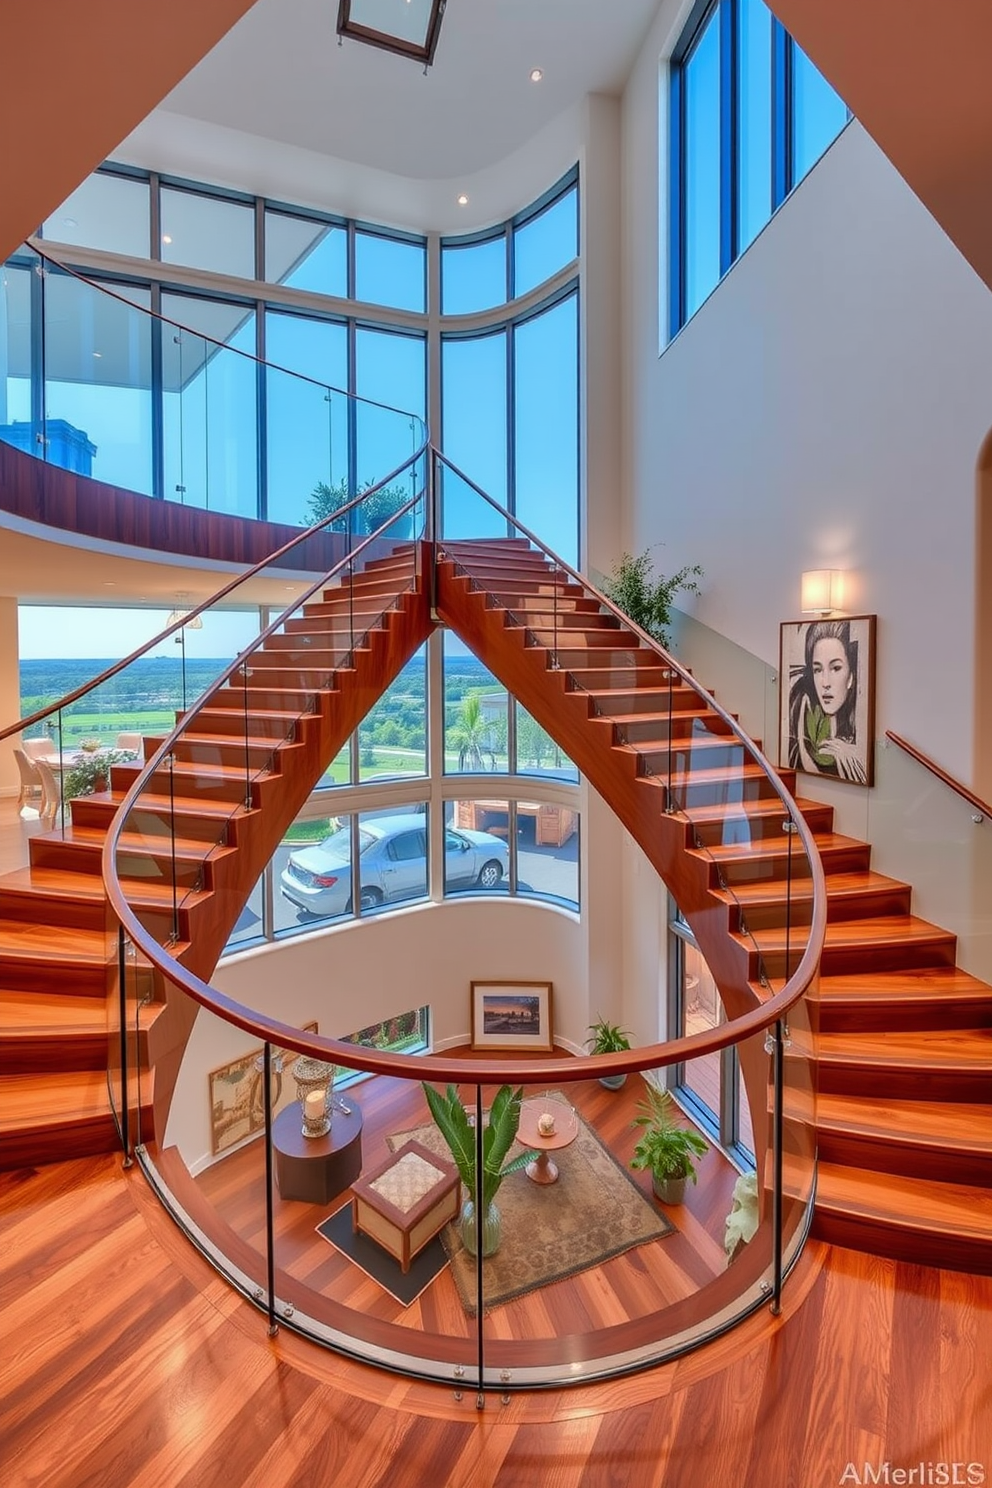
593, 1212
379, 1264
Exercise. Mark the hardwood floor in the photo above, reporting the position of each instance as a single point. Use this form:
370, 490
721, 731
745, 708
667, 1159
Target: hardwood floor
626, 1290
128, 1364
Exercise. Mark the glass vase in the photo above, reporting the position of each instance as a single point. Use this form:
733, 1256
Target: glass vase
491, 1228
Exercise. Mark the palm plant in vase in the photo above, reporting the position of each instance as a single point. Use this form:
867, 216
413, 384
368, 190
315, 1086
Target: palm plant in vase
498, 1136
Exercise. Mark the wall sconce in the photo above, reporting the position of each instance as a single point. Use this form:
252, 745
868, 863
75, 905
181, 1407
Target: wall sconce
822, 591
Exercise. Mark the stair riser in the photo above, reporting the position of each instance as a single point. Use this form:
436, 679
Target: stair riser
572, 636
231, 755
773, 867
218, 721
907, 1158
58, 1142
76, 858
154, 822
617, 659
656, 701
919, 1246
232, 700
53, 909
704, 734
901, 1015
690, 793
332, 630
694, 754
883, 1082
843, 960
19, 974
839, 910
50, 1054
753, 829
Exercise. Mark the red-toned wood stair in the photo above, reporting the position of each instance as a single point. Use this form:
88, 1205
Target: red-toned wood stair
904, 1045
277, 728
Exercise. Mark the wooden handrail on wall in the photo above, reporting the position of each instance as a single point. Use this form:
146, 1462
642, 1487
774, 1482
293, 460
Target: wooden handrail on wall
982, 807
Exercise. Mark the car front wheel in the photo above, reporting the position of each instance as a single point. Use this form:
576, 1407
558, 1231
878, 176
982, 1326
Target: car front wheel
490, 874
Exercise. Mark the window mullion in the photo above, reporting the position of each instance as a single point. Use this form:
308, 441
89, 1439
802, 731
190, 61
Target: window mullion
728, 134
781, 114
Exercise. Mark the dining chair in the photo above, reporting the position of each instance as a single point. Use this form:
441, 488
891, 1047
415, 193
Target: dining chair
31, 782
129, 741
51, 793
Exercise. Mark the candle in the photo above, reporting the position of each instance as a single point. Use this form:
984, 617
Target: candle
313, 1106
546, 1124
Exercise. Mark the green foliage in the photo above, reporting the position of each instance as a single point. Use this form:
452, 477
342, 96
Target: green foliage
817, 732
665, 1147
376, 509
498, 1137
91, 772
646, 600
607, 1038
470, 736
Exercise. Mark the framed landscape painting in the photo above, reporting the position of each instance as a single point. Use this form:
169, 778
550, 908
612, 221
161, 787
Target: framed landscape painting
827, 698
236, 1095
511, 1015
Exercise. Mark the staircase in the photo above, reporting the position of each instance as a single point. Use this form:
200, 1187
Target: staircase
305, 693
903, 1117
904, 1049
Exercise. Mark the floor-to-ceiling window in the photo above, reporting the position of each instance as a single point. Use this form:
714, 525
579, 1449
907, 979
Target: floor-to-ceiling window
749, 116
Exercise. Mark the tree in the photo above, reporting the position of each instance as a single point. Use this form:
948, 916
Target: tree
646, 601
376, 509
470, 737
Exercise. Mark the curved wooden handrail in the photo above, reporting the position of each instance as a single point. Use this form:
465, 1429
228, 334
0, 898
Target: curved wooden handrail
982, 807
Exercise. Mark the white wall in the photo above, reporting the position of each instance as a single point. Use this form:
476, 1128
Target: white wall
824, 408
354, 975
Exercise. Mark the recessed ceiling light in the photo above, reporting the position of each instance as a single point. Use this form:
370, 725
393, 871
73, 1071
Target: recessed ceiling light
109, 584
98, 354
536, 74
463, 200
166, 238
69, 222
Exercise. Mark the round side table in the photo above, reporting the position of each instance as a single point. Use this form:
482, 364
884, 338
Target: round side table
543, 1169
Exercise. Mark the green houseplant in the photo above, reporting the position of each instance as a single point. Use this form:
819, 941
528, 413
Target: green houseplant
608, 1038
665, 1147
498, 1137
646, 600
90, 772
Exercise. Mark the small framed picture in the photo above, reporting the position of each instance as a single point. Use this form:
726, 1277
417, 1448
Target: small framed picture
511, 1015
827, 698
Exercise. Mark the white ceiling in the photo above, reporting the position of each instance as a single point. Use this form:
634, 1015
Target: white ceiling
281, 74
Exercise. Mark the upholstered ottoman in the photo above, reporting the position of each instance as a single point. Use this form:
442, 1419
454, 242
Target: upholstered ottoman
406, 1200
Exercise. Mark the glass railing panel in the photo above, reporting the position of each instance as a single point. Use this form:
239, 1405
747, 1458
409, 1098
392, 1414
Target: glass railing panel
741, 681
925, 834
306, 449
20, 419
210, 400
462, 513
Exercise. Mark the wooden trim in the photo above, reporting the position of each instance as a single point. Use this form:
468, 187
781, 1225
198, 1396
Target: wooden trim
928, 764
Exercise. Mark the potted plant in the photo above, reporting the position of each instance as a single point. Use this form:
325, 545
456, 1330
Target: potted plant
647, 601
90, 771
498, 1137
665, 1147
608, 1038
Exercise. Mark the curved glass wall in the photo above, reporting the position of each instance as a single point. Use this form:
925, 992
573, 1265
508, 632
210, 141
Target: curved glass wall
164, 411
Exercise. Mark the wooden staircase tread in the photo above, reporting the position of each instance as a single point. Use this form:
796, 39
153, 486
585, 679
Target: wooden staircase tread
734, 811
963, 1048
60, 883
931, 1123
187, 849
912, 984
912, 1203
43, 1100
27, 1012
37, 942
878, 930
839, 885
743, 852
188, 770
149, 800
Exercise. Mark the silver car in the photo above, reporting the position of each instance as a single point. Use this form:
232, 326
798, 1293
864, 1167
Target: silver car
393, 859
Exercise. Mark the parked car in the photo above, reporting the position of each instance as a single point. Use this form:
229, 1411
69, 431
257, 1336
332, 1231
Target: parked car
393, 862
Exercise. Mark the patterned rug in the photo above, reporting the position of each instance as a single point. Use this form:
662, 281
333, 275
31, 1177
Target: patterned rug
593, 1212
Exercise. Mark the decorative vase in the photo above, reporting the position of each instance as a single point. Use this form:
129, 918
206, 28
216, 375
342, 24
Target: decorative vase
669, 1190
491, 1228
612, 1082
